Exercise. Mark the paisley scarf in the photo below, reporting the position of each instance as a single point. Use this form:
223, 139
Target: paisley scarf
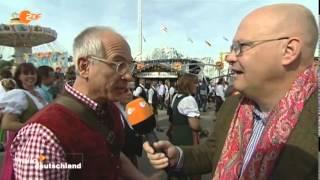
280, 123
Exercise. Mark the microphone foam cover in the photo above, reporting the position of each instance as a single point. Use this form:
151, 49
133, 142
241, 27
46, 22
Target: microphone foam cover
138, 110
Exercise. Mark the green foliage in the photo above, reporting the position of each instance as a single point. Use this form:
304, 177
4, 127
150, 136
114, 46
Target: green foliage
4, 64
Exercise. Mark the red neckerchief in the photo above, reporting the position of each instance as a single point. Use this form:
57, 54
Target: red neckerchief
280, 123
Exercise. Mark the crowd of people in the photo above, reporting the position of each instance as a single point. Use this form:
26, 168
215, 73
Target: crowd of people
24, 92
266, 120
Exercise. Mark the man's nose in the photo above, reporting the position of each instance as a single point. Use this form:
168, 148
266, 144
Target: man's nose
127, 76
231, 57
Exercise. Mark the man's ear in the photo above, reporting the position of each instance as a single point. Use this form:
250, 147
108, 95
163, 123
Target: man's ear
83, 67
291, 50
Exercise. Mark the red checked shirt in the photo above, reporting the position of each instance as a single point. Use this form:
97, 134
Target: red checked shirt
34, 140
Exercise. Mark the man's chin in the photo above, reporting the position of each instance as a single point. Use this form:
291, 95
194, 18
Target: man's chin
114, 97
238, 86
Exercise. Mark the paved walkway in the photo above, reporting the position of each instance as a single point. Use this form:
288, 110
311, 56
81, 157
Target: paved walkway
206, 122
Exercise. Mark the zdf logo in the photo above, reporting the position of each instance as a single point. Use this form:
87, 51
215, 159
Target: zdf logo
26, 16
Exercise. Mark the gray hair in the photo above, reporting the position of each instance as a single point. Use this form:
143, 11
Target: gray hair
88, 42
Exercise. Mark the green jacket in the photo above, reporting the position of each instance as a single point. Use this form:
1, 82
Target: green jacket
298, 160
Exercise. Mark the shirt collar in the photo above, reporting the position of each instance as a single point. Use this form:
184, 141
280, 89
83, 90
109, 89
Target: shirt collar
81, 97
141, 85
259, 115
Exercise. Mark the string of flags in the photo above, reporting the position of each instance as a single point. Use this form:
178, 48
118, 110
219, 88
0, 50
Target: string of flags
208, 43
190, 40
164, 28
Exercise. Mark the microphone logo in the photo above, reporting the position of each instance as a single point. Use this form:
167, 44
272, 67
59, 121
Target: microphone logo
142, 104
130, 111
138, 110
141, 117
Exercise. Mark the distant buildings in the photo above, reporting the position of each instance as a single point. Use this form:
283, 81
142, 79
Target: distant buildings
209, 66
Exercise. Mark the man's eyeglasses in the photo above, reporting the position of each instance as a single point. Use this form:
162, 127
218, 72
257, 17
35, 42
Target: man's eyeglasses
120, 67
239, 47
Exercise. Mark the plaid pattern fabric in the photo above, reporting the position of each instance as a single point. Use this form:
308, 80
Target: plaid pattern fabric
100, 109
83, 98
35, 142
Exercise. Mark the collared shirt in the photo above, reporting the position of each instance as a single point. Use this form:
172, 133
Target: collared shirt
44, 91
259, 123
161, 90
260, 120
220, 91
83, 98
139, 90
187, 106
151, 91
124, 116
34, 140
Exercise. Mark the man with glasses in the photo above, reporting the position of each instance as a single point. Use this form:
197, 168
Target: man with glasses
270, 130
80, 135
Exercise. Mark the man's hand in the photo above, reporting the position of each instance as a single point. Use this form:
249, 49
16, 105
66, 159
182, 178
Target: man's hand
162, 160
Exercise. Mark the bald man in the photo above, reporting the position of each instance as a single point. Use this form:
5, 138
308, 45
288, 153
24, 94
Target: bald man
270, 131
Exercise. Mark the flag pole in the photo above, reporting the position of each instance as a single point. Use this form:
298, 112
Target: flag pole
140, 29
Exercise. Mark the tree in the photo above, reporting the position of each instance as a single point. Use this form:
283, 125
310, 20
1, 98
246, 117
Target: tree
4, 64
159, 54
166, 53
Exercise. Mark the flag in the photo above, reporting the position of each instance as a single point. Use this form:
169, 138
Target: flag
164, 28
190, 40
226, 39
208, 43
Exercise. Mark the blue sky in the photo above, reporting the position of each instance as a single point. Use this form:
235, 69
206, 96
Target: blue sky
200, 20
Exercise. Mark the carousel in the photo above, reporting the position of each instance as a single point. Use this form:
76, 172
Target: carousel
26, 38
22, 37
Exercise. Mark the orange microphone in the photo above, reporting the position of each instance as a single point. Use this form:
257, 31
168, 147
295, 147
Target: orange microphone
141, 117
